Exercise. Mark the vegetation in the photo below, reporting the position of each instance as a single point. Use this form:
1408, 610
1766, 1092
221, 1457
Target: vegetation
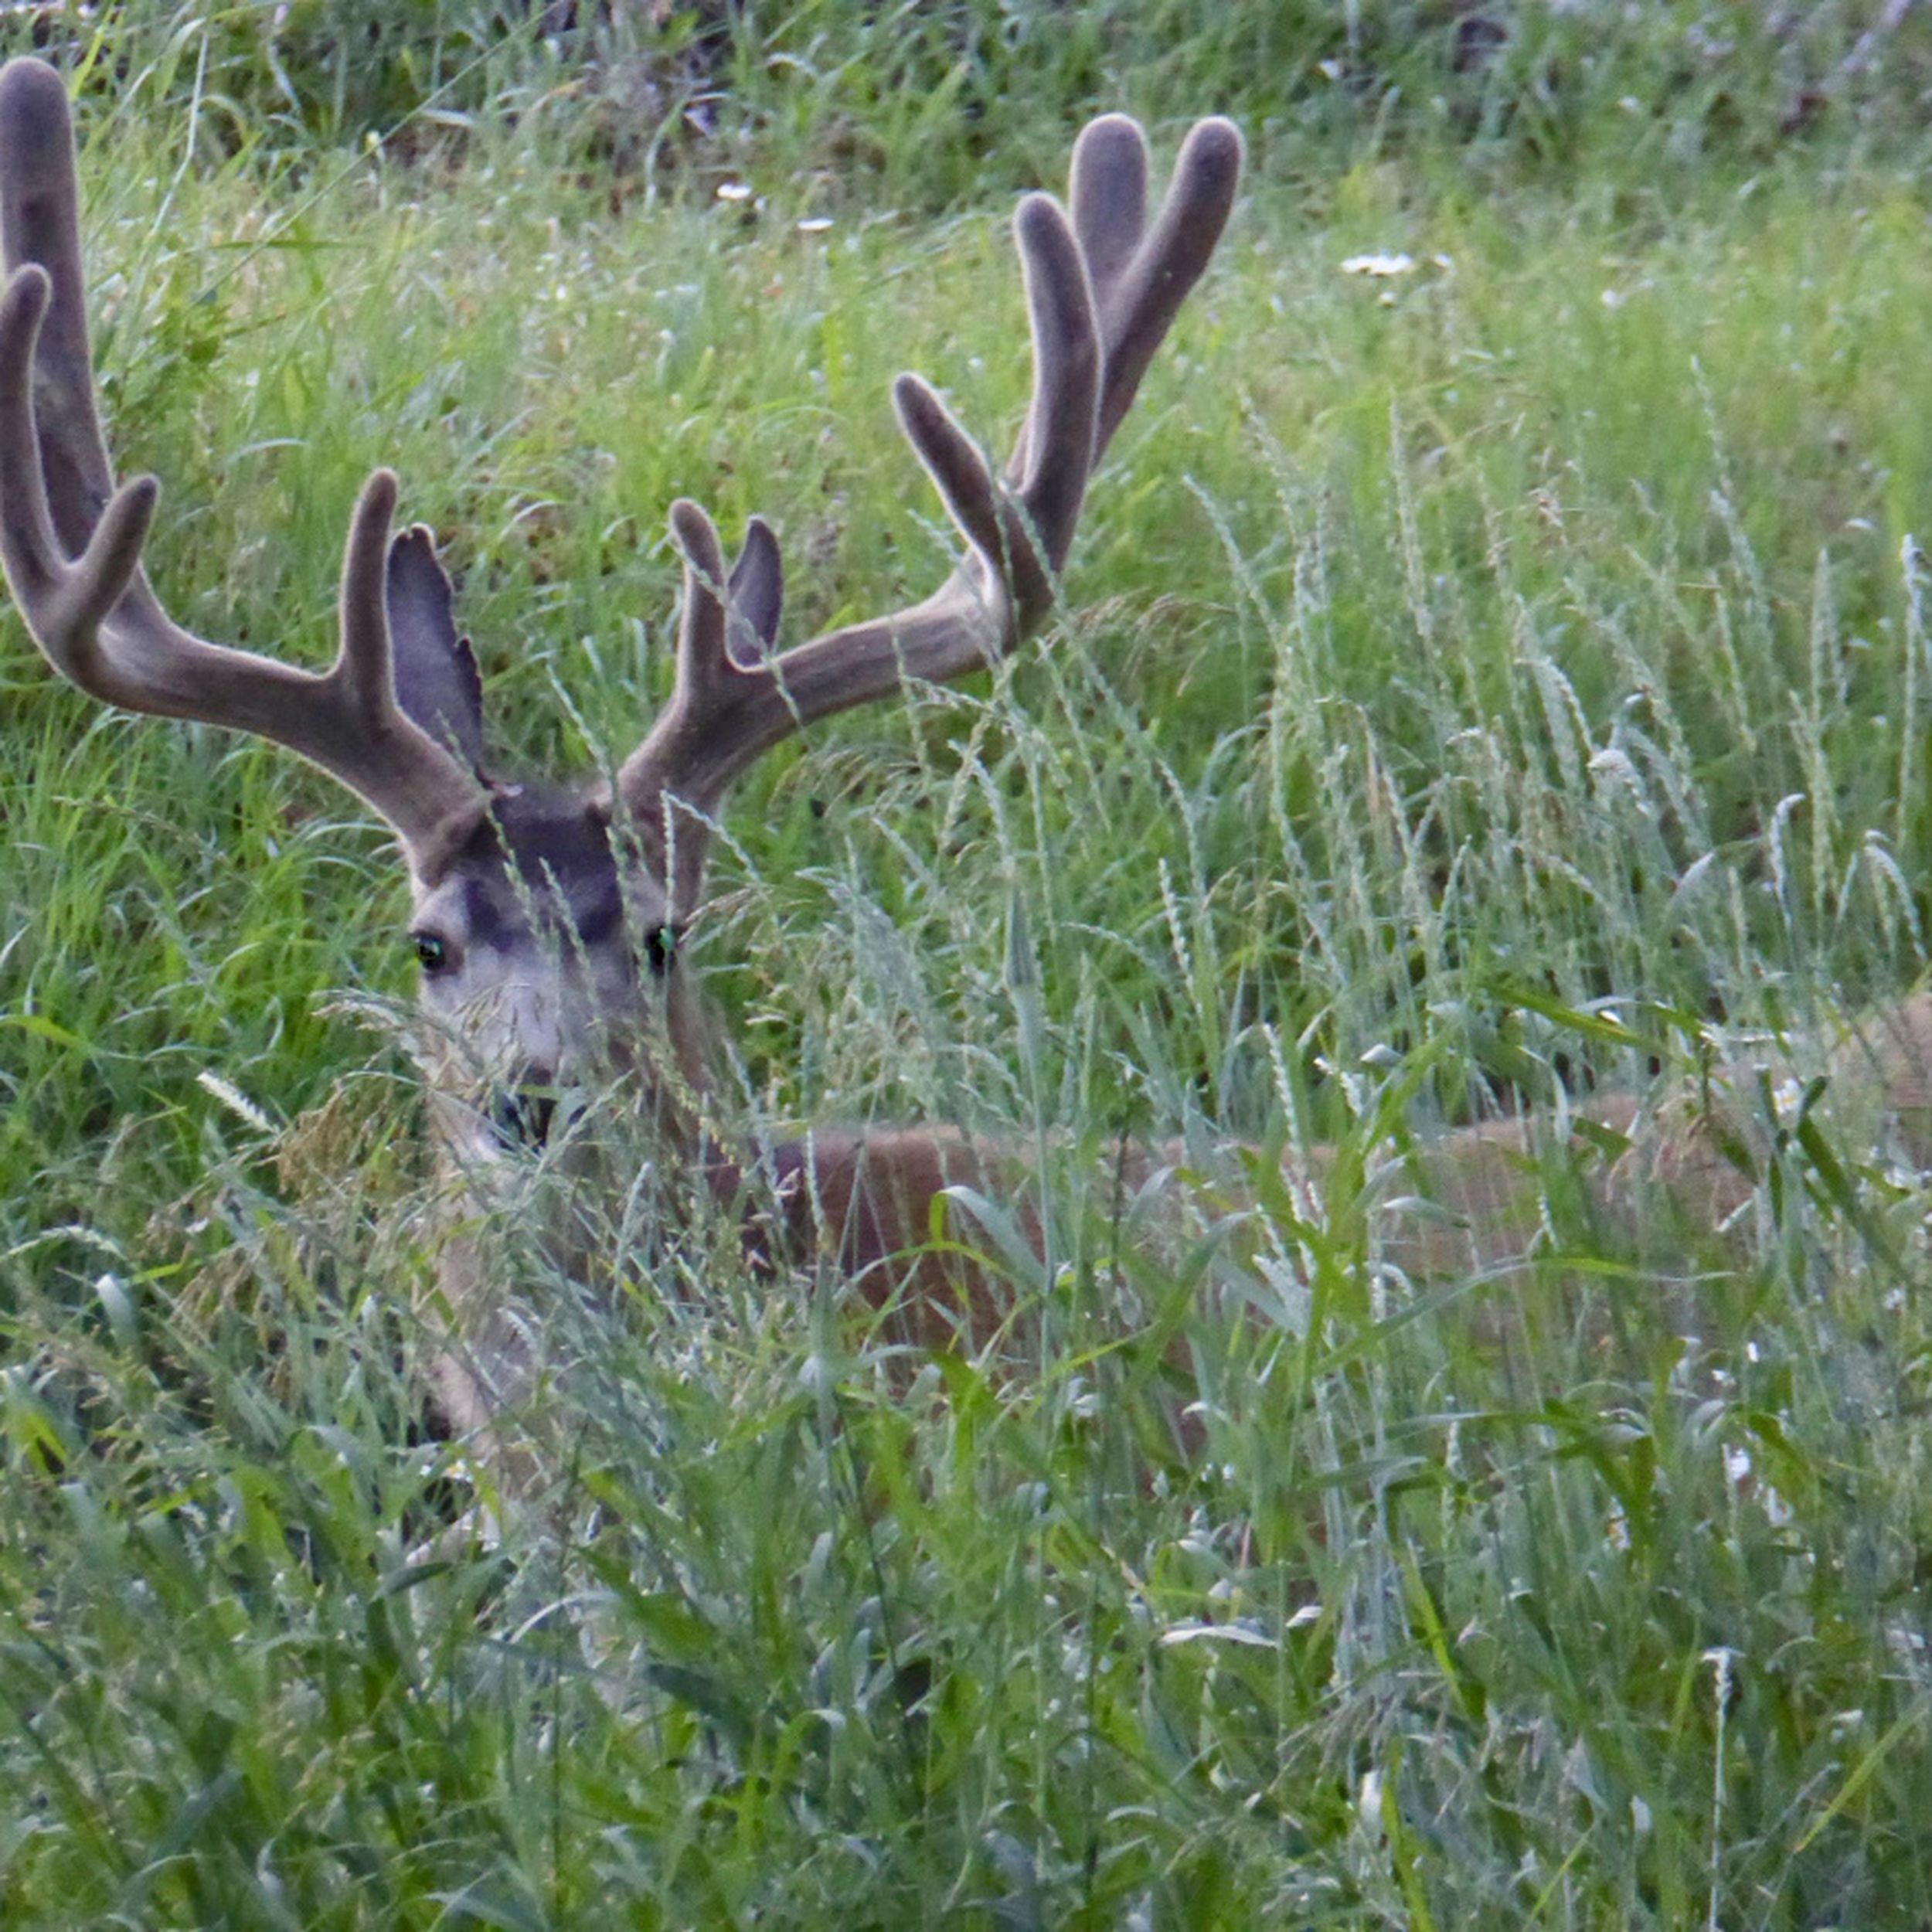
1484, 681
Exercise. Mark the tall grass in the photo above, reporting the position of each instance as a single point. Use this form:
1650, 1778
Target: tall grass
1455, 662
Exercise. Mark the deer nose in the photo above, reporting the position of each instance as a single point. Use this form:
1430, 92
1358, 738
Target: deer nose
522, 1115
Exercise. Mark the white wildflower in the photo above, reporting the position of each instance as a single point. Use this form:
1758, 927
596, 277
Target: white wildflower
1379, 266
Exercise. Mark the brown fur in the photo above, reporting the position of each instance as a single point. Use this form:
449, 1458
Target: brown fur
1668, 1174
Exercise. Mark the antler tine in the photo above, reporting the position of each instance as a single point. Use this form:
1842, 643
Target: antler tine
1141, 278
711, 683
40, 222
73, 597
1059, 443
729, 622
704, 652
1100, 293
1017, 541
71, 544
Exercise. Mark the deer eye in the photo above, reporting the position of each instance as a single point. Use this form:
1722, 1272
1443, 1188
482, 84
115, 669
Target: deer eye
432, 952
660, 950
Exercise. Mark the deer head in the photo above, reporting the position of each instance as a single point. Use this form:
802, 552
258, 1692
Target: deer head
545, 917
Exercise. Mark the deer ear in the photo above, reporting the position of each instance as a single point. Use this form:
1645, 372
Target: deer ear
757, 590
434, 670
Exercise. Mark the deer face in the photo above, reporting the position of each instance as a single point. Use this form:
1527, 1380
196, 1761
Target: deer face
546, 946
548, 961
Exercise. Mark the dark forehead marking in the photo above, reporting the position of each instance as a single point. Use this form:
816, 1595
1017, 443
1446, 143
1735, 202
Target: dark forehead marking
491, 914
535, 847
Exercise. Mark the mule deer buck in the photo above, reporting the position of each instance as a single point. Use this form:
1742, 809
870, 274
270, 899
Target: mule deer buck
546, 918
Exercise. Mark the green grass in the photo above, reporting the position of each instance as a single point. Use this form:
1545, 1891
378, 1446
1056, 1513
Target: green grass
1439, 673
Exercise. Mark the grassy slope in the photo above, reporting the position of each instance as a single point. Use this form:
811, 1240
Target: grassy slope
1422, 652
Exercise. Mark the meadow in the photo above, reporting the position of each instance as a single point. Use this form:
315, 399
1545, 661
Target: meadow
1493, 671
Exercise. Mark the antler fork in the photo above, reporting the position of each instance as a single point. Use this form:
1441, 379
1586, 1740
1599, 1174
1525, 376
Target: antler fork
70, 542
1101, 289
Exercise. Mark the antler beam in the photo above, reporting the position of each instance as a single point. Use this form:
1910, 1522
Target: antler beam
70, 542
1101, 290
